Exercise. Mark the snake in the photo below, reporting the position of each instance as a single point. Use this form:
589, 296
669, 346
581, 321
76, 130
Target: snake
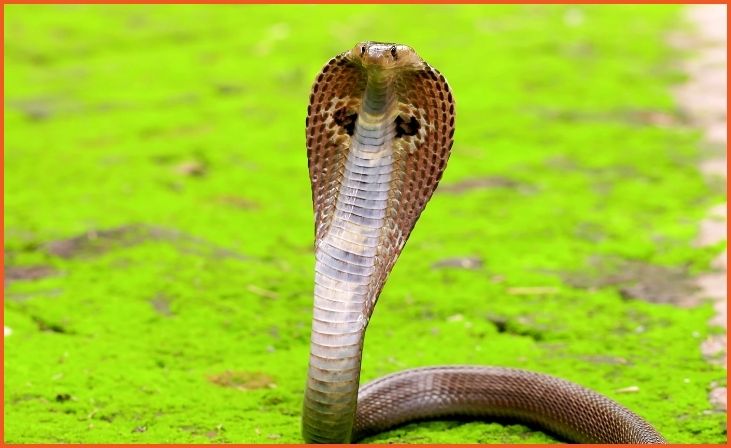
379, 129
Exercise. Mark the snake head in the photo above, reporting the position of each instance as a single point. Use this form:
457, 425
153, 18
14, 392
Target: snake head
381, 55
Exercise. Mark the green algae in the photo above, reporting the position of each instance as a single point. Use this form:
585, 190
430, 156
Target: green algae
155, 162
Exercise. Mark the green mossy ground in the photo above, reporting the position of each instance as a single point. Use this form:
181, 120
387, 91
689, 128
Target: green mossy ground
156, 184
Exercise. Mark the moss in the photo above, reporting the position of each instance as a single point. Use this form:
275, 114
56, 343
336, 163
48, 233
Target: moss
156, 183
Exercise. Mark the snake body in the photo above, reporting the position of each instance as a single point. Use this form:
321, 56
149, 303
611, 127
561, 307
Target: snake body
380, 126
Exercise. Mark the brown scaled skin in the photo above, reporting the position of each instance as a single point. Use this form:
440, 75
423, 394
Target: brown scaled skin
380, 127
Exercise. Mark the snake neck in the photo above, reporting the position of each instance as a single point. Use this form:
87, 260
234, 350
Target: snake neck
345, 270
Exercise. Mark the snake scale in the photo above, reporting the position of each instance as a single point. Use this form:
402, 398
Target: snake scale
380, 127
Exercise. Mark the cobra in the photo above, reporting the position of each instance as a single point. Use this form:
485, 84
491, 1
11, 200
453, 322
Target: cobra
380, 127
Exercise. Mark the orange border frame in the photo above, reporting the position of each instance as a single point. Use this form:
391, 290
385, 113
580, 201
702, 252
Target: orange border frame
286, 2
384, 2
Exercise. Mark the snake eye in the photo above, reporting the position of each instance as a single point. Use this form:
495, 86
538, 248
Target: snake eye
362, 50
393, 51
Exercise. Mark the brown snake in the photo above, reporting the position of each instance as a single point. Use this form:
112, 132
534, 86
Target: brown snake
380, 126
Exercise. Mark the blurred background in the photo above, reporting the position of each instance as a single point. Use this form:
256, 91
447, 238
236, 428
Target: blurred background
159, 228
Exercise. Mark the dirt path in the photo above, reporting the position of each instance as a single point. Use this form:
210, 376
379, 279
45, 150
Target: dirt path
703, 98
